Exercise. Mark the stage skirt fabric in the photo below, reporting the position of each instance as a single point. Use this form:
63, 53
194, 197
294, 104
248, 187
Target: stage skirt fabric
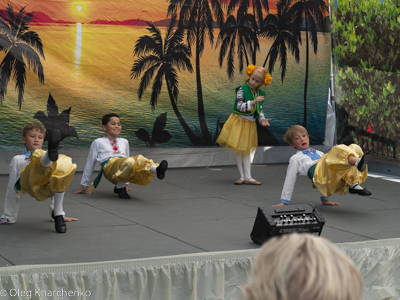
41, 182
239, 135
211, 275
129, 169
333, 174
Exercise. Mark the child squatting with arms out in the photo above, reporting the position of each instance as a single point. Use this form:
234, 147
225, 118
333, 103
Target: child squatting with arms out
340, 170
41, 174
112, 153
240, 130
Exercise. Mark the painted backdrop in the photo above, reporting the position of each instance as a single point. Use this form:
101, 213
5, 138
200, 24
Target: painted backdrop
169, 70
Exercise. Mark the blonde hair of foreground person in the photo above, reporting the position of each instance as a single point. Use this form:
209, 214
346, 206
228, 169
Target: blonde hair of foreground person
302, 267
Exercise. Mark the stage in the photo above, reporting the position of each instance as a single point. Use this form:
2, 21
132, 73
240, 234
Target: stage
193, 211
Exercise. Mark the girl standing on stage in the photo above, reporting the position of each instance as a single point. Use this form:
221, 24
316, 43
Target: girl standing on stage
240, 130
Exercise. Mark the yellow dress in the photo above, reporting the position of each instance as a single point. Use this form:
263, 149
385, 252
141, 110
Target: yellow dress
129, 169
42, 182
239, 135
333, 173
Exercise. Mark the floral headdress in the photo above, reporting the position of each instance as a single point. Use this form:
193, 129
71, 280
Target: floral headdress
251, 68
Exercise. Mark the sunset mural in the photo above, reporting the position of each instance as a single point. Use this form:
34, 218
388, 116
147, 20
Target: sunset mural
88, 60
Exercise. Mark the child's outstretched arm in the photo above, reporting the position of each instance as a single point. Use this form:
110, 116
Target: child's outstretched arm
88, 171
290, 181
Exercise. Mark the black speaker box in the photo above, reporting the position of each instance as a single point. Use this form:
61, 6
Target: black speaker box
277, 220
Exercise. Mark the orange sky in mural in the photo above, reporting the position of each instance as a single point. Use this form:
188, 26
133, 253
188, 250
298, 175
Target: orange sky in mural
92, 10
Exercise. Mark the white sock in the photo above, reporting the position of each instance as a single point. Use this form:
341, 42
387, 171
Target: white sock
120, 184
153, 168
45, 160
58, 204
356, 186
358, 160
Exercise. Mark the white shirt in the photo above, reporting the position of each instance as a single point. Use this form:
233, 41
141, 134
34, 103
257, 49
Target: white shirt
101, 150
299, 164
11, 203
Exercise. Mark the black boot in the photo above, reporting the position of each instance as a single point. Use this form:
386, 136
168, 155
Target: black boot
364, 161
122, 193
60, 224
162, 167
54, 141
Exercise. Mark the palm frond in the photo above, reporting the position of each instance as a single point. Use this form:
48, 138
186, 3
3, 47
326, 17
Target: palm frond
145, 80
11, 17
145, 44
32, 59
171, 77
223, 49
5, 42
242, 56
273, 55
232, 5
218, 12
313, 34
182, 61
142, 63
5, 74
173, 7
33, 39
156, 35
156, 89
20, 78
25, 21
230, 61
283, 59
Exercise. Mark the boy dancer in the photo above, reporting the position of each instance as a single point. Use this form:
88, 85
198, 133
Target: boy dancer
340, 170
41, 174
118, 167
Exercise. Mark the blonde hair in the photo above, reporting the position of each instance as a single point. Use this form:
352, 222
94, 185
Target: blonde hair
302, 267
32, 126
291, 132
251, 68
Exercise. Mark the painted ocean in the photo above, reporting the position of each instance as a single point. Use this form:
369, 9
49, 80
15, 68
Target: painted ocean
87, 67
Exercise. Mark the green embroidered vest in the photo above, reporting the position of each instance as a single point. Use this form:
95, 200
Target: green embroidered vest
248, 95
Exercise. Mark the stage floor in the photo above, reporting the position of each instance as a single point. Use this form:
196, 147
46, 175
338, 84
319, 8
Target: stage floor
192, 210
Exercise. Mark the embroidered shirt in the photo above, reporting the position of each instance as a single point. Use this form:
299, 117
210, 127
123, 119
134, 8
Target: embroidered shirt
102, 149
299, 164
246, 106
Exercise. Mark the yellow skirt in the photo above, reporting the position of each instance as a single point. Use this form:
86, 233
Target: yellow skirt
239, 135
129, 169
42, 182
334, 174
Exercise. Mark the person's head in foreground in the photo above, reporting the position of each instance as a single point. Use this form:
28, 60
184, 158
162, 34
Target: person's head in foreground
302, 267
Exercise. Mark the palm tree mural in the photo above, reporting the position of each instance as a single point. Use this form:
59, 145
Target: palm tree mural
255, 19
241, 33
23, 48
285, 33
161, 59
310, 13
196, 17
